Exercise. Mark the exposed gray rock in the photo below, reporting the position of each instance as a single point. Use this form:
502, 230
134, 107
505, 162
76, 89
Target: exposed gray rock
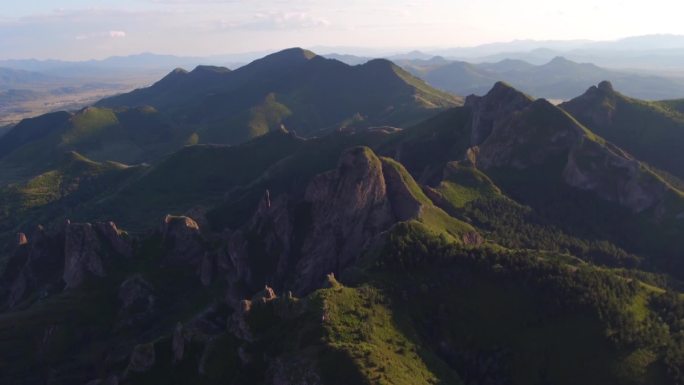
142, 359
238, 321
87, 248
178, 343
136, 295
349, 207
35, 265
502, 101
340, 212
264, 296
182, 240
82, 253
269, 230
613, 175
118, 240
404, 205
511, 131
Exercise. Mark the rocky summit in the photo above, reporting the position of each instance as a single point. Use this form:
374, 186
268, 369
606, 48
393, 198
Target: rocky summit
302, 221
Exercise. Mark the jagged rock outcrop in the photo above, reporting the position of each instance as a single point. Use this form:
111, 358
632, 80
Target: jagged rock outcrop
502, 100
521, 133
597, 105
348, 208
137, 299
178, 343
142, 358
182, 240
294, 241
86, 246
117, 239
82, 253
260, 252
338, 214
593, 167
48, 260
35, 265
238, 321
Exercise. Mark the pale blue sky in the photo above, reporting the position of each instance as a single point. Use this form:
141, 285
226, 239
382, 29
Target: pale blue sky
80, 29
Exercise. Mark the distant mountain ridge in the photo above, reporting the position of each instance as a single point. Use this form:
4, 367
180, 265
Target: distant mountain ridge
560, 78
290, 87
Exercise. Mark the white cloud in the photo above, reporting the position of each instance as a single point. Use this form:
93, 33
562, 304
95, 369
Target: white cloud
114, 34
277, 21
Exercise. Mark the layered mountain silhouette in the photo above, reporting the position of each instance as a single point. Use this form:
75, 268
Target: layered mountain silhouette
216, 105
560, 78
291, 87
506, 240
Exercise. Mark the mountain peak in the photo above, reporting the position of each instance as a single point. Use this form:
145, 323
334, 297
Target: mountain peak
172, 76
210, 69
291, 55
560, 60
499, 103
502, 90
606, 86
380, 63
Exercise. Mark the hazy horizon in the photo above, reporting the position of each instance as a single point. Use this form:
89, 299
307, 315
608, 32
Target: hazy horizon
79, 30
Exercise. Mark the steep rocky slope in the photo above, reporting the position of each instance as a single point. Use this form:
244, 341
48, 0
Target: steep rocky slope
511, 130
497, 243
650, 131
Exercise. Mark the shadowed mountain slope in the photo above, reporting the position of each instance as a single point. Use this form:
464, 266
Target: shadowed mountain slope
651, 131
297, 88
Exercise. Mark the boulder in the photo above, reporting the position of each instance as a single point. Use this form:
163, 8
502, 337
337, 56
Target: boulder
142, 358
182, 240
117, 239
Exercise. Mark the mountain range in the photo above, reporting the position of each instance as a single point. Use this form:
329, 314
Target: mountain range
302, 221
560, 78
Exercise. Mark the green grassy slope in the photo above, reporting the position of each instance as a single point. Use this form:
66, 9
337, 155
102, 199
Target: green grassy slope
122, 135
292, 87
55, 195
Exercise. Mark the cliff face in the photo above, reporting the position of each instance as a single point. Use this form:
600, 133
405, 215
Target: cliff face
32, 266
614, 176
295, 241
86, 246
512, 132
596, 107
502, 101
47, 261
